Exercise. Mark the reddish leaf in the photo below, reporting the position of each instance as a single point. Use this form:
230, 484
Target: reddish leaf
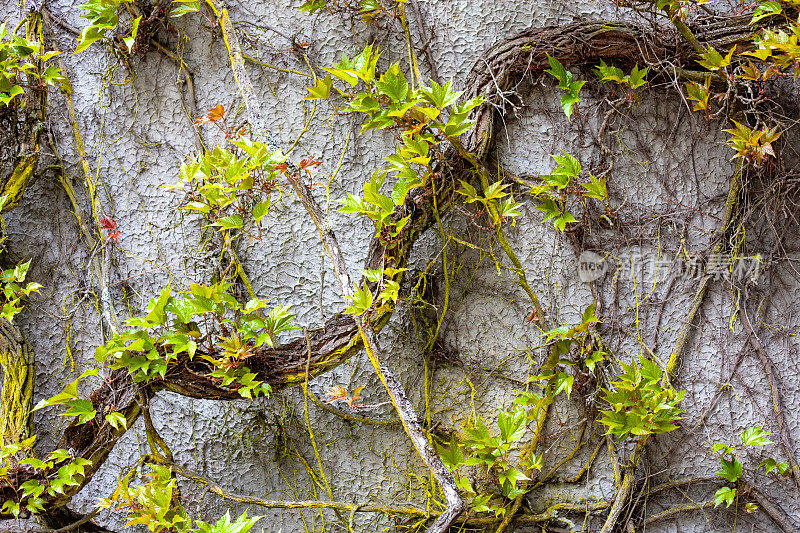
337, 393
309, 164
213, 115
281, 168
108, 223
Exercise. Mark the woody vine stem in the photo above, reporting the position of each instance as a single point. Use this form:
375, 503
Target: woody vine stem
214, 343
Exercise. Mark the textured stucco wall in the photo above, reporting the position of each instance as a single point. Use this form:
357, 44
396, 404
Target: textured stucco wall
670, 173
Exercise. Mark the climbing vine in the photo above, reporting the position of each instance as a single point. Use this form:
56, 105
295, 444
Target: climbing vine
210, 340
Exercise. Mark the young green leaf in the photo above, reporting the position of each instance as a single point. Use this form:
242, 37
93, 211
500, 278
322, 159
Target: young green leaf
441, 95
767, 9
756, 436
731, 470
724, 495
564, 383
362, 301
229, 222
512, 424
117, 420
321, 89
261, 209
83, 409
596, 188
712, 60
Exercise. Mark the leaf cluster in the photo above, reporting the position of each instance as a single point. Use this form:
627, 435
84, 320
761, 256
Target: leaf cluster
232, 188
14, 290
421, 118
567, 84
103, 15
640, 402
153, 503
50, 480
556, 187
386, 286
491, 454
630, 82
23, 63
495, 196
732, 469
201, 317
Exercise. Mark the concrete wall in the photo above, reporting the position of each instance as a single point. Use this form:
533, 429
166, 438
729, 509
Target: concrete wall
670, 176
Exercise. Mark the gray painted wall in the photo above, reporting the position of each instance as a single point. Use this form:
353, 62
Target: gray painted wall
671, 173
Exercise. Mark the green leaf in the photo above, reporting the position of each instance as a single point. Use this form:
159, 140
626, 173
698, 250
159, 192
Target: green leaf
89, 35
37, 464
400, 190
468, 191
513, 475
261, 209
156, 310
361, 67
69, 393
224, 524
16, 90
712, 60
280, 319
83, 409
117, 420
569, 100
556, 69
229, 222
636, 78
321, 89
441, 95
731, 470
32, 487
724, 495
184, 8
564, 382
592, 359
767, 9
362, 301
312, 6
452, 457
562, 221
508, 208
608, 73
756, 436
184, 308
373, 275
11, 507
512, 424
567, 165
21, 270
130, 41
393, 84
768, 464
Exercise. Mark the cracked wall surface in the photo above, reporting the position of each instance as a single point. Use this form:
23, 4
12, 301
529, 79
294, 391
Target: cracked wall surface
669, 181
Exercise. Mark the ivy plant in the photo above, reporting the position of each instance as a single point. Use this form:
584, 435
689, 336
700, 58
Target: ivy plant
421, 118
557, 187
14, 289
202, 316
49, 480
639, 402
103, 16
566, 83
24, 64
152, 503
732, 469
